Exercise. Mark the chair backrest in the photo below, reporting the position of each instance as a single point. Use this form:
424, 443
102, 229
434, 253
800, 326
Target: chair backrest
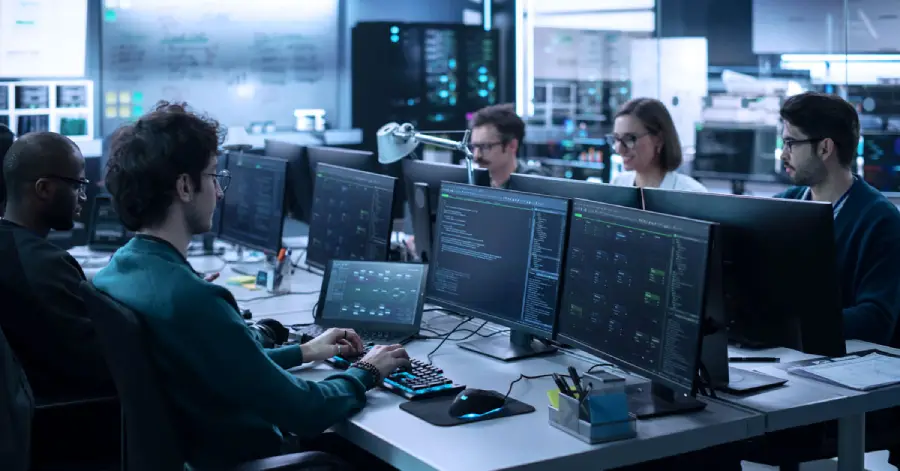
16, 411
151, 440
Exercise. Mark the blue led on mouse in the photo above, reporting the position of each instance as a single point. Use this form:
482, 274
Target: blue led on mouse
475, 403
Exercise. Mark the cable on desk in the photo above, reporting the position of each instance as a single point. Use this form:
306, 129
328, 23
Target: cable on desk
280, 295
566, 374
296, 263
470, 331
464, 321
310, 269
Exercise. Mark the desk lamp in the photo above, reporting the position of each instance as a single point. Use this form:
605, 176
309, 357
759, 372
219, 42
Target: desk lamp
396, 141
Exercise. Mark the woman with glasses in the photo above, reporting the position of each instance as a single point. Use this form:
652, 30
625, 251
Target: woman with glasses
645, 137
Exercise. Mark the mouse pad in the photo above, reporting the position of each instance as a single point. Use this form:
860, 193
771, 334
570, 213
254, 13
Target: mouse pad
435, 411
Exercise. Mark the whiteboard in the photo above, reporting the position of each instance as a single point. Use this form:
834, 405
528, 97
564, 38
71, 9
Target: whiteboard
238, 61
43, 38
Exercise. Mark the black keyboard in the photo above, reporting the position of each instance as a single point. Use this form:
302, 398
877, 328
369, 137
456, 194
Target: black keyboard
420, 381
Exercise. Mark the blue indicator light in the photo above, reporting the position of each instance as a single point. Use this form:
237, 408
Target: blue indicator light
475, 416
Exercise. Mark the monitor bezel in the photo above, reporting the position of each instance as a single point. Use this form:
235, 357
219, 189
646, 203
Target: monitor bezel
822, 334
105, 247
362, 325
223, 221
466, 311
535, 180
322, 265
416, 171
653, 376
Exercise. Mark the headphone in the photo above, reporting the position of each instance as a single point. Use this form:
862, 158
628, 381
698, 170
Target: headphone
272, 332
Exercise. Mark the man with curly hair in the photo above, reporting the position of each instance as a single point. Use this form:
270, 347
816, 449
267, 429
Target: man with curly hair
234, 399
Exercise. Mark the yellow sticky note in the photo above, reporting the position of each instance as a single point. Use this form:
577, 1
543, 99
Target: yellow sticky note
124, 98
124, 111
112, 112
553, 395
250, 286
111, 98
241, 279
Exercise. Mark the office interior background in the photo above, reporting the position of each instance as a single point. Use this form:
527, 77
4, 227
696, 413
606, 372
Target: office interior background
334, 71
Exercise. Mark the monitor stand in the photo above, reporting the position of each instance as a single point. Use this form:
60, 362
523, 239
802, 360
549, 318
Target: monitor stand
658, 400
518, 345
245, 262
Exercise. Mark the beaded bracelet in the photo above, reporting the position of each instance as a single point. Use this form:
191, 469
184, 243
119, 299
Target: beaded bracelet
366, 366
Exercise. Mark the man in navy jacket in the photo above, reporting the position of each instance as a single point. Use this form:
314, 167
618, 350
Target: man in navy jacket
821, 134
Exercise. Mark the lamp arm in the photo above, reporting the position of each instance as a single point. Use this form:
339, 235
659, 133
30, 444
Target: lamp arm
462, 146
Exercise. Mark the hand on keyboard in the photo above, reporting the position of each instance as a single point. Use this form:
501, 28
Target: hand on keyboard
333, 342
387, 358
412, 379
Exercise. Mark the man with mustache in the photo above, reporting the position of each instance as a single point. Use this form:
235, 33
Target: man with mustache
497, 134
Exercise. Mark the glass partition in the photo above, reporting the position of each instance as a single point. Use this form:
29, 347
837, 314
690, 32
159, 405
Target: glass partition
722, 69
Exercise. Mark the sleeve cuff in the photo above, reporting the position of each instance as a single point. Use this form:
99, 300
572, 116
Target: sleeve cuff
366, 378
287, 357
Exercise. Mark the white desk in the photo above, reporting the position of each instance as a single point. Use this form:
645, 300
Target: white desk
804, 401
527, 441
521, 442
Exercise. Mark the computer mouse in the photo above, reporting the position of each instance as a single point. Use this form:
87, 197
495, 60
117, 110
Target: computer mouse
474, 403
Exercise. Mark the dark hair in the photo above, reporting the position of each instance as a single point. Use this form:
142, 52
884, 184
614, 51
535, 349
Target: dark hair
6, 140
821, 116
504, 118
147, 157
32, 156
656, 118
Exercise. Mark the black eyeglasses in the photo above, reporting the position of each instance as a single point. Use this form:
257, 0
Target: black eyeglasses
628, 140
223, 178
484, 146
78, 184
790, 143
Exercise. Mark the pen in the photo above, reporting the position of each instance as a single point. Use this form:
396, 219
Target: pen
281, 254
754, 360
585, 410
561, 384
577, 380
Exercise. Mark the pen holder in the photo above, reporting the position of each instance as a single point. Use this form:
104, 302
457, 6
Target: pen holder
276, 277
602, 416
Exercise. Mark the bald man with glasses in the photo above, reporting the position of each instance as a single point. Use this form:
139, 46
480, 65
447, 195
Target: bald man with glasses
43, 316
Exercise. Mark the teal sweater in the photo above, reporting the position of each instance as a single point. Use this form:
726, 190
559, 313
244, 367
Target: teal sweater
867, 243
232, 399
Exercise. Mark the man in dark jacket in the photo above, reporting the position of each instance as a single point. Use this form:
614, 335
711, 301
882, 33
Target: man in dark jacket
43, 316
16, 411
821, 134
6, 140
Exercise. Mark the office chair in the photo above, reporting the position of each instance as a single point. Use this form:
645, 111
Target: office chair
150, 439
16, 411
